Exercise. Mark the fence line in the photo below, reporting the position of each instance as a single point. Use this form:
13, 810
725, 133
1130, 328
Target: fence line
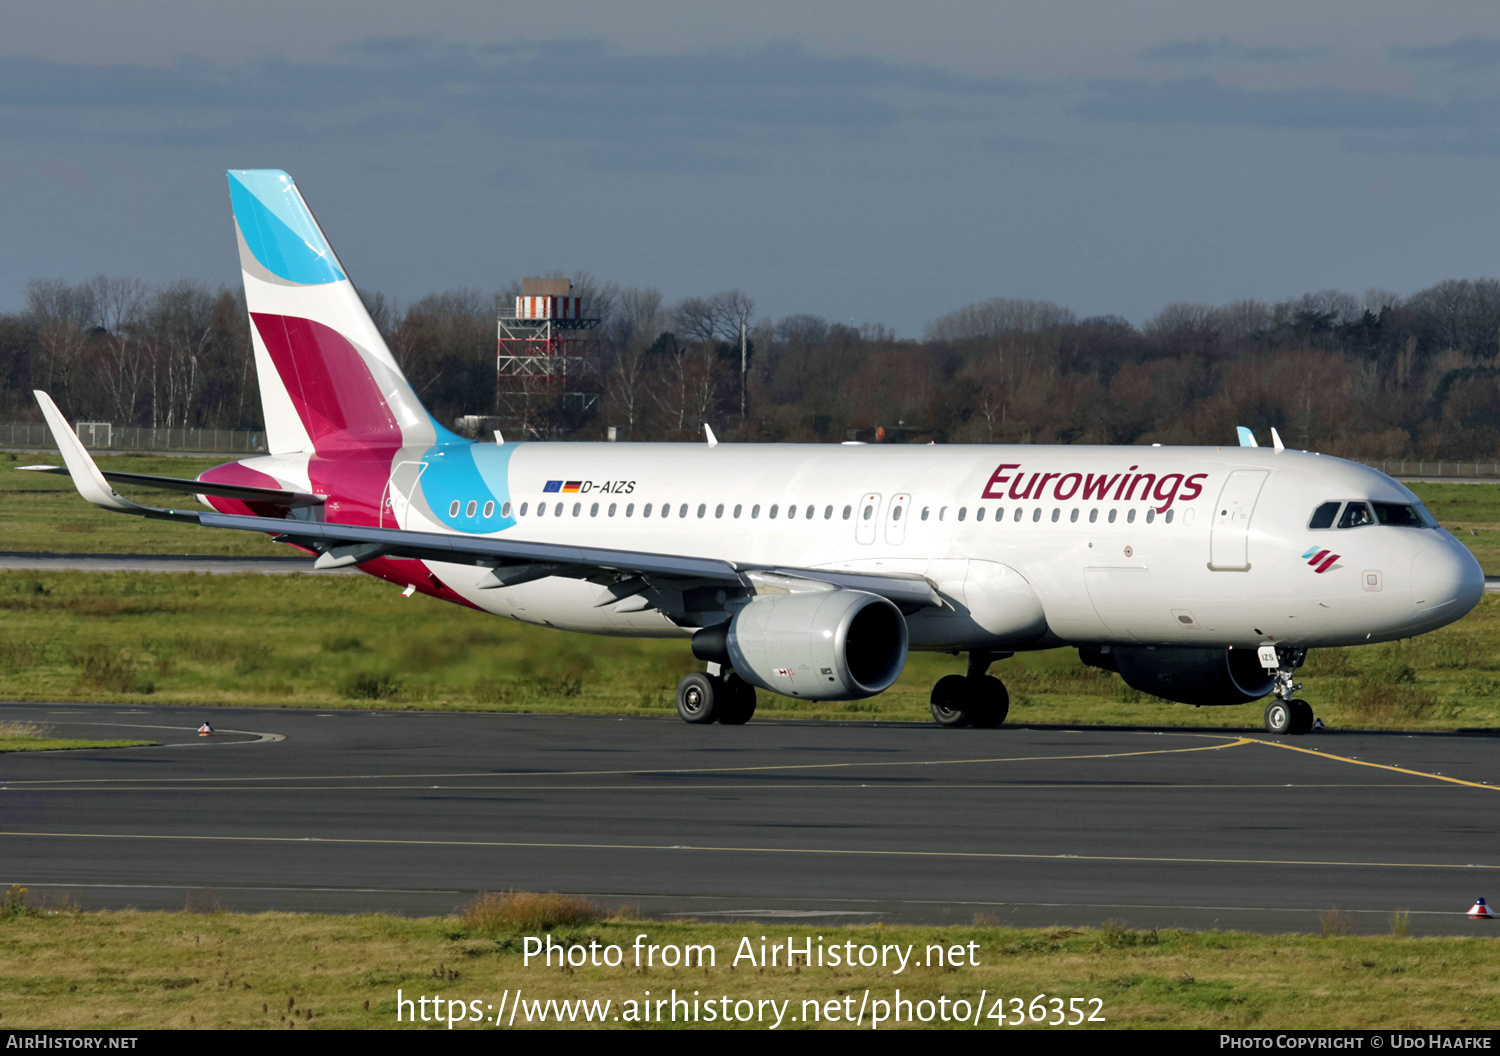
103, 437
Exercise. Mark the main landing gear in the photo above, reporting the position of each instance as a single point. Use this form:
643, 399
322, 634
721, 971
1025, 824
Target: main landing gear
1286, 715
975, 699
705, 697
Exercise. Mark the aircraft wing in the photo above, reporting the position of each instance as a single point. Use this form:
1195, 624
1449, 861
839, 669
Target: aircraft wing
244, 492
511, 561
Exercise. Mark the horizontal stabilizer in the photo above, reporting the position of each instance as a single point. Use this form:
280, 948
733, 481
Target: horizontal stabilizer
243, 492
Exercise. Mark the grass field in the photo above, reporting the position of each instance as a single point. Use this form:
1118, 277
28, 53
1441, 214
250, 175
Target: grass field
30, 737
128, 970
309, 641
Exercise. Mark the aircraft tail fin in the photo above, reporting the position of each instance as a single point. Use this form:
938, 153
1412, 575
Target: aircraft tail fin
328, 383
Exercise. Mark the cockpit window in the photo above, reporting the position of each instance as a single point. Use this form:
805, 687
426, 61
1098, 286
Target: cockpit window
1402, 515
1323, 516
1356, 515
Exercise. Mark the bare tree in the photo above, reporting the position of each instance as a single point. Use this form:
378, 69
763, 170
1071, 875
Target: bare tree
118, 306
62, 314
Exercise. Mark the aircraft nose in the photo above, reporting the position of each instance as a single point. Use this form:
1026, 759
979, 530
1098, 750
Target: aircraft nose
1446, 580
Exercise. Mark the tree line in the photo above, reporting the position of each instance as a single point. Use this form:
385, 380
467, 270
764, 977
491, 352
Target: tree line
1382, 376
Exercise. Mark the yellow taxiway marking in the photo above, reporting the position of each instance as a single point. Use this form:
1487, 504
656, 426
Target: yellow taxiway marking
862, 763
1377, 766
850, 852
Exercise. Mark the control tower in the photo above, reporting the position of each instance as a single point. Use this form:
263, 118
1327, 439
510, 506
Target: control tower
546, 377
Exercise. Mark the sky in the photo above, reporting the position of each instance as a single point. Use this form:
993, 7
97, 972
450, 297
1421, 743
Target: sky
866, 161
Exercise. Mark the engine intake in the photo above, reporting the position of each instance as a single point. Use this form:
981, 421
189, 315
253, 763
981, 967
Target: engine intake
819, 645
1206, 677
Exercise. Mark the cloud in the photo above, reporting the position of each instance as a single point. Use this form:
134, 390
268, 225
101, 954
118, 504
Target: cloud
1225, 50
620, 106
1465, 53
1208, 101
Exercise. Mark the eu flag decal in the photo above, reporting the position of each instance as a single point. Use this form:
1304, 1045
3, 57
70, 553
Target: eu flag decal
553, 485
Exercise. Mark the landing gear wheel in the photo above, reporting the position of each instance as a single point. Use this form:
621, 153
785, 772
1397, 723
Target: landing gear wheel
1302, 717
989, 701
700, 698
1279, 717
738, 704
950, 701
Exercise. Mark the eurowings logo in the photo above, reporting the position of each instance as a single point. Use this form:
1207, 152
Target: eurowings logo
1321, 560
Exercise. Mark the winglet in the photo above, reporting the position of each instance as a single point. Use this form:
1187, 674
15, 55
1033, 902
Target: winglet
1247, 438
86, 476
713, 441
1276, 441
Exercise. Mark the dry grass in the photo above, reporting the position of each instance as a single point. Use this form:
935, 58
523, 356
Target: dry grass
19, 730
510, 912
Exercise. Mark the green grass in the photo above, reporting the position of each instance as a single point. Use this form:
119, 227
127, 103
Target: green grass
30, 737
42, 512
349, 641
308, 641
63, 969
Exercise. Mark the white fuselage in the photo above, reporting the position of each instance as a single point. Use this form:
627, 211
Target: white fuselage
1217, 555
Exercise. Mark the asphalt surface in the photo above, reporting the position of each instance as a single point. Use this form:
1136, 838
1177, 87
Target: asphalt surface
416, 812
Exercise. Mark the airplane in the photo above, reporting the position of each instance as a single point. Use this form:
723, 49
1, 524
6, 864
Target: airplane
1201, 575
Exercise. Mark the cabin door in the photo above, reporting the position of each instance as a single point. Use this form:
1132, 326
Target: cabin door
1229, 540
395, 509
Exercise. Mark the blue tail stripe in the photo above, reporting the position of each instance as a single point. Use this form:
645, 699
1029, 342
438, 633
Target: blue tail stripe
278, 229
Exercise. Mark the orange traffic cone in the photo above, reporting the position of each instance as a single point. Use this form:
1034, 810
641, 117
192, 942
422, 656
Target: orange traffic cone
205, 730
1480, 911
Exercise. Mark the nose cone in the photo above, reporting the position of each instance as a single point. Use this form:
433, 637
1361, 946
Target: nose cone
1446, 581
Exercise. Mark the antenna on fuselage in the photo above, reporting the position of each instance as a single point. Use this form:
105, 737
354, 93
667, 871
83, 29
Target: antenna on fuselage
1247, 438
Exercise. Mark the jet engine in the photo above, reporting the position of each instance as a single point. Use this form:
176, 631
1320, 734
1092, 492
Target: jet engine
1205, 677
817, 645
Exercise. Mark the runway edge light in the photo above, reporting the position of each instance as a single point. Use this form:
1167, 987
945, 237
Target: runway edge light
1480, 911
205, 730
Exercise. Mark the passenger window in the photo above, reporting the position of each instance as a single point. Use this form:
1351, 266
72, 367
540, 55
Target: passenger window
925, 511
666, 509
847, 511
523, 508
630, 510
942, 512
811, 509
594, 510
1356, 515
489, 510
1019, 511
963, 511
557, 510
1169, 515
1056, 513
979, 514
1093, 516
719, 510
791, 512
682, 511
1073, 517
869, 512
896, 512
1323, 516
702, 509
771, 513
755, 511
999, 514
1112, 516
1150, 514
1036, 514
827, 513
453, 508
471, 509
612, 509
737, 508
577, 507
541, 509
1130, 517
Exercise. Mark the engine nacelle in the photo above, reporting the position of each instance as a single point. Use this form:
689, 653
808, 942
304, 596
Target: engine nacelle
818, 645
1206, 677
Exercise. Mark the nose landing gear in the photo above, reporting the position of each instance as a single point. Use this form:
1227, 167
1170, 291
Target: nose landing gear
1286, 715
975, 699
